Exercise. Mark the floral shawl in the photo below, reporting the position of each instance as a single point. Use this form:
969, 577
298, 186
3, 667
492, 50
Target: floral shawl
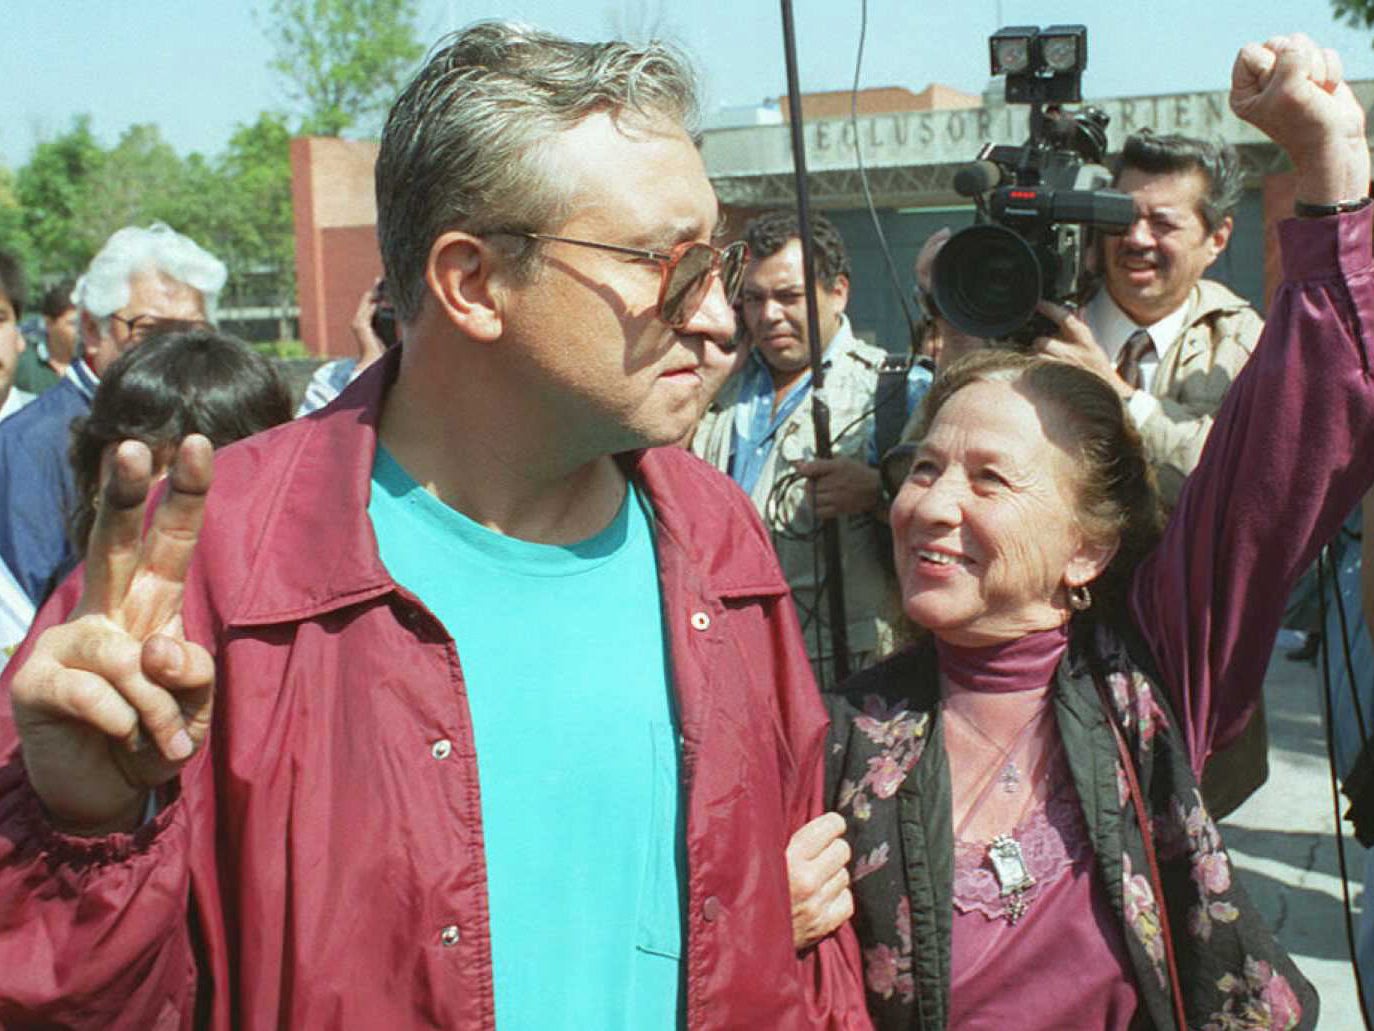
1234, 974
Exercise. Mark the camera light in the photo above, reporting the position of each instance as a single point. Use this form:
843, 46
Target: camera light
1013, 55
1011, 49
1063, 48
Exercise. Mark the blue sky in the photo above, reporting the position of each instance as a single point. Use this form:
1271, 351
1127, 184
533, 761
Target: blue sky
197, 68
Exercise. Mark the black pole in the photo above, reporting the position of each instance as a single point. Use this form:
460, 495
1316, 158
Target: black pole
833, 580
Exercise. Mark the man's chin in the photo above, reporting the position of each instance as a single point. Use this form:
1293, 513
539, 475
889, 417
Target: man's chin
1137, 298
789, 361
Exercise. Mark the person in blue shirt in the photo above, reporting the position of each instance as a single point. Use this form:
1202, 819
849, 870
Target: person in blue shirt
759, 430
144, 279
12, 297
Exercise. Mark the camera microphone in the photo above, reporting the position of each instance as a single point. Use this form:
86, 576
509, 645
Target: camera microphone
977, 178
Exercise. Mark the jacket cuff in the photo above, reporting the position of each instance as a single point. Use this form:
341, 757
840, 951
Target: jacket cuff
1326, 248
25, 810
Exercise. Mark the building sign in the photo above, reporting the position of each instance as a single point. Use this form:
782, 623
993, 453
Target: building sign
952, 137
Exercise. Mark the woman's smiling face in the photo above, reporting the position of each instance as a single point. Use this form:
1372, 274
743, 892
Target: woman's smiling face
986, 534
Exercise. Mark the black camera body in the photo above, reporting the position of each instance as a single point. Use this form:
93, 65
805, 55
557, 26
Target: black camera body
1038, 204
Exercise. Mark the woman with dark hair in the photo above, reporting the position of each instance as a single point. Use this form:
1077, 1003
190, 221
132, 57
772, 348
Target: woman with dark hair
1030, 846
171, 385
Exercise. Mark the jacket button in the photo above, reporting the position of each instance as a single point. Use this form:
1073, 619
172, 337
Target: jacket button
710, 909
441, 749
450, 936
701, 621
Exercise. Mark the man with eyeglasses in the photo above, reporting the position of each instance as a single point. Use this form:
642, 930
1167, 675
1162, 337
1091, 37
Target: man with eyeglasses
141, 281
760, 431
512, 718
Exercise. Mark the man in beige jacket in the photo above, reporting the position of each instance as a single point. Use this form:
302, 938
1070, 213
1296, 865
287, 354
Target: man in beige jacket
1170, 341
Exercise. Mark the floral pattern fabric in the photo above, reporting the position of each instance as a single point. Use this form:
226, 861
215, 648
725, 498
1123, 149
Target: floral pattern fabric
1053, 839
889, 788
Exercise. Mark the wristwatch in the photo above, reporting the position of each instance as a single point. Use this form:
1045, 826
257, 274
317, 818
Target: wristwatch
1304, 210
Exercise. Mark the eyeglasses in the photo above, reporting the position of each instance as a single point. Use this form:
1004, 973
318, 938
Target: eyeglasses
140, 327
685, 272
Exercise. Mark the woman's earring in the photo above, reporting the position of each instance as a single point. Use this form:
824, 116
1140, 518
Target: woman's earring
1080, 598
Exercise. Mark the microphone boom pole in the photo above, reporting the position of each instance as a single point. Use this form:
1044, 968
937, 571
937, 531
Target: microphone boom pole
833, 580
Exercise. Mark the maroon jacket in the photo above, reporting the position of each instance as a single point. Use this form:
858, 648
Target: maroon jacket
331, 854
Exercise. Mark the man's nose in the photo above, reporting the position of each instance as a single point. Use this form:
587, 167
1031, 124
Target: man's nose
714, 318
772, 310
1139, 234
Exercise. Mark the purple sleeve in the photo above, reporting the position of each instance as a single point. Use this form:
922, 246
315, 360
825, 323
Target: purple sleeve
93, 931
1282, 468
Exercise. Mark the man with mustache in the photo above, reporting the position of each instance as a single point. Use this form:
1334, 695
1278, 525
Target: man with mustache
760, 431
1170, 341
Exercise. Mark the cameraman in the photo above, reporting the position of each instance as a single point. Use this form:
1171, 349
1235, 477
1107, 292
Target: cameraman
1169, 341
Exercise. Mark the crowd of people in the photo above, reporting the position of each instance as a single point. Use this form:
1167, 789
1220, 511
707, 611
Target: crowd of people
474, 696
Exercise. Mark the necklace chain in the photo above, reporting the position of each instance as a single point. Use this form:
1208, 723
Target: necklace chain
1004, 853
1010, 776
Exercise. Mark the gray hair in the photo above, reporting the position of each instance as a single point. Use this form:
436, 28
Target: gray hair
462, 144
1218, 163
104, 288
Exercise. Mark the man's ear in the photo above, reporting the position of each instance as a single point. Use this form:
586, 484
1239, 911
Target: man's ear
841, 292
1218, 238
463, 277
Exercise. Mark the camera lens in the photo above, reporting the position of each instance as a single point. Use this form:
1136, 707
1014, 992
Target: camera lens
986, 281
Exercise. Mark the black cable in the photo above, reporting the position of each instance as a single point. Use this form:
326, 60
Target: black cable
1331, 766
863, 175
1345, 646
820, 407
772, 506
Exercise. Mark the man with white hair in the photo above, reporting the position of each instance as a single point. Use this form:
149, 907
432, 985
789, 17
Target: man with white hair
142, 281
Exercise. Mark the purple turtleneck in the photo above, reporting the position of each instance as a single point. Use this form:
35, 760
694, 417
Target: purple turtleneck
1024, 664
997, 970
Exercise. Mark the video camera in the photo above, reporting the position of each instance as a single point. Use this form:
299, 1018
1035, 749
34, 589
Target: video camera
1037, 203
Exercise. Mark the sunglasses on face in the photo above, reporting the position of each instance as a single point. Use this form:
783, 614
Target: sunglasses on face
684, 272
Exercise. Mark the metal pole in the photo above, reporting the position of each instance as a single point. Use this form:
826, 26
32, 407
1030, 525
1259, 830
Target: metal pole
833, 580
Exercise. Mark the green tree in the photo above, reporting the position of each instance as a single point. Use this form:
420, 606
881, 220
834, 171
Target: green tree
1358, 14
342, 60
252, 216
141, 180
50, 189
73, 194
13, 238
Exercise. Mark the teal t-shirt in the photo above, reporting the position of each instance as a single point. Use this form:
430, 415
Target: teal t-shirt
566, 668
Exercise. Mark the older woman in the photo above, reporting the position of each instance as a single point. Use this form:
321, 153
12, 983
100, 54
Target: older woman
1030, 848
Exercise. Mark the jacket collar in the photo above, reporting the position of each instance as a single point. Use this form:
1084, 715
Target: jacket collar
317, 551
81, 376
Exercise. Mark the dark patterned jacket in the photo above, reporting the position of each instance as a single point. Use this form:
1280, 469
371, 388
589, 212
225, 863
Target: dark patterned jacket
889, 777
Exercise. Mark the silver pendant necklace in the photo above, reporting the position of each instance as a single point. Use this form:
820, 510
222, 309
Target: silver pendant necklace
1005, 854
1013, 878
